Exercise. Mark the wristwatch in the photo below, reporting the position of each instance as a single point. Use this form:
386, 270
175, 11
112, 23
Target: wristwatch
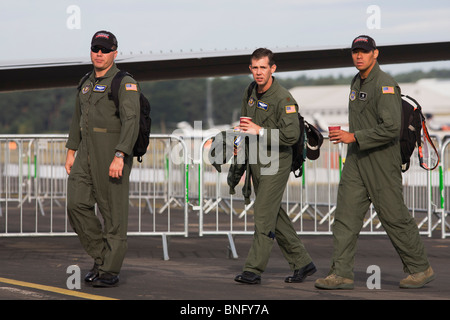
119, 154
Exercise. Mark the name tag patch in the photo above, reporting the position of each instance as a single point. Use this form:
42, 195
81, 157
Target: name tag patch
99, 88
262, 105
237, 141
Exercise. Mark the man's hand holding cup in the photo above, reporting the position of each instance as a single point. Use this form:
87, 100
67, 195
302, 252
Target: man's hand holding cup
246, 125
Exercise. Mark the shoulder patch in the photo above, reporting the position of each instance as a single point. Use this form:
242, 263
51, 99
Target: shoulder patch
86, 89
387, 89
131, 87
290, 109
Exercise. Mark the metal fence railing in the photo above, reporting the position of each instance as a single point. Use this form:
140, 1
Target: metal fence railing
310, 200
444, 189
33, 188
175, 179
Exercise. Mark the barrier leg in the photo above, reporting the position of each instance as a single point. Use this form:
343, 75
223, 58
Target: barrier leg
165, 247
232, 248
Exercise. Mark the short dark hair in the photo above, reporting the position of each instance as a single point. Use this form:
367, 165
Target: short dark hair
261, 53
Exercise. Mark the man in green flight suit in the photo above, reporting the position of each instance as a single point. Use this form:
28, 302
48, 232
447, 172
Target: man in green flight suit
274, 118
99, 173
372, 174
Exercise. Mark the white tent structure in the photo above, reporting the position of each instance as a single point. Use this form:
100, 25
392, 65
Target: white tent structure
327, 105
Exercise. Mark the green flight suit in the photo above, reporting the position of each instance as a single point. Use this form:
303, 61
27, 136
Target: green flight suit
275, 109
96, 132
372, 174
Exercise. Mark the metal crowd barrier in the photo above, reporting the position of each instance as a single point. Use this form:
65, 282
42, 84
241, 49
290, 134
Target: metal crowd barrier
444, 188
33, 188
310, 200
175, 178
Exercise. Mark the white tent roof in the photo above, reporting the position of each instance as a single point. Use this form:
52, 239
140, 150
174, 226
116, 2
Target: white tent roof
324, 105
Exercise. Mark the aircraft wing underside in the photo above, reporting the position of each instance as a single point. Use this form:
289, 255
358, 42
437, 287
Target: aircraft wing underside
191, 65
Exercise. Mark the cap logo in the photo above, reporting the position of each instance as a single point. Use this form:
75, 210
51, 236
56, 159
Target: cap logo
102, 35
361, 39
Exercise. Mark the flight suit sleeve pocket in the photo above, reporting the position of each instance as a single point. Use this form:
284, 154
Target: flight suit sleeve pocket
287, 121
129, 97
289, 130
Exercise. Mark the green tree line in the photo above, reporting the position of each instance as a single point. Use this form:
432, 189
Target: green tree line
50, 110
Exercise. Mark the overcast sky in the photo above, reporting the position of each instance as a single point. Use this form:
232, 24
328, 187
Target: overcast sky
33, 30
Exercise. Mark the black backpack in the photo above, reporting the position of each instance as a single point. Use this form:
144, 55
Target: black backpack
145, 121
299, 150
307, 146
413, 122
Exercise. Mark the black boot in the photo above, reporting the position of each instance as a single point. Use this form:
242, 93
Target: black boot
92, 274
106, 280
302, 273
248, 277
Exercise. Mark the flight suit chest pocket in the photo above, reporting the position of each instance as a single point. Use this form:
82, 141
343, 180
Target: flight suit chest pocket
92, 93
359, 100
264, 114
100, 91
85, 95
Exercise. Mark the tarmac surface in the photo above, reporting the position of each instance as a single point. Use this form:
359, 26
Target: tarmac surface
200, 270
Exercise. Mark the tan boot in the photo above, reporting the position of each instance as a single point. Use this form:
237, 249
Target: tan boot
417, 280
334, 281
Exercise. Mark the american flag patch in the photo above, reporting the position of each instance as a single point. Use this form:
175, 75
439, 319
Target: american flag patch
290, 109
387, 90
130, 87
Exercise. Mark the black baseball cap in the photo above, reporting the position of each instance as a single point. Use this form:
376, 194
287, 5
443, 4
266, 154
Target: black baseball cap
314, 141
364, 42
104, 39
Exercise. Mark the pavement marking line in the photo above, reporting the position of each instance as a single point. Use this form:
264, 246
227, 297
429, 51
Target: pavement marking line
55, 289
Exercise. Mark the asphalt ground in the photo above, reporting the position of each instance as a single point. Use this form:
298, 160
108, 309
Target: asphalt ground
200, 273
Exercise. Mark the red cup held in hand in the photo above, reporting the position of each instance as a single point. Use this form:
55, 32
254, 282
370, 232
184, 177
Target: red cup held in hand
332, 128
244, 119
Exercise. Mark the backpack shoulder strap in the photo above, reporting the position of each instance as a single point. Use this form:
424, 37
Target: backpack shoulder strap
115, 86
83, 80
413, 100
250, 89
353, 80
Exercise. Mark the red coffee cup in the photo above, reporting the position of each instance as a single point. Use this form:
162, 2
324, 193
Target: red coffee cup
332, 128
244, 119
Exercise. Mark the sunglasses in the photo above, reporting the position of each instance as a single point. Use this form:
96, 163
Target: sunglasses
96, 49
